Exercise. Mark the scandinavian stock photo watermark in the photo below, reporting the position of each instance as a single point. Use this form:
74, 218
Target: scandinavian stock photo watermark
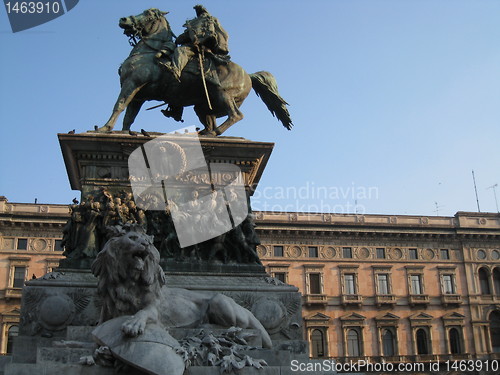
312, 197
365, 365
204, 200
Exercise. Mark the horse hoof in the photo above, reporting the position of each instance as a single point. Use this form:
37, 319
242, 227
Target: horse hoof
104, 129
209, 133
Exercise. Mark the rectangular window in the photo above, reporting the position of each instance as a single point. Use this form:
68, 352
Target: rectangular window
383, 283
19, 277
445, 254
416, 284
58, 245
281, 276
347, 252
314, 283
278, 251
22, 244
349, 283
380, 253
313, 252
413, 253
448, 285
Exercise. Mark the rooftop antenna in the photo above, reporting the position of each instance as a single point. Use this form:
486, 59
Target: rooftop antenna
494, 187
475, 189
437, 208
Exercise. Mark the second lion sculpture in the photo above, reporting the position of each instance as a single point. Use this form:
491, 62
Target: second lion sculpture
131, 282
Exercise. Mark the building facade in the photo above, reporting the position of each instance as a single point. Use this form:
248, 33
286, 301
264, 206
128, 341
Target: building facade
30, 246
400, 287
406, 288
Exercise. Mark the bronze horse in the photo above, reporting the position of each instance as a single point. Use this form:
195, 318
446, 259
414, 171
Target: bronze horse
142, 78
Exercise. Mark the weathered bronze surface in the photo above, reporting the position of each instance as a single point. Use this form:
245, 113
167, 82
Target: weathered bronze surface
158, 69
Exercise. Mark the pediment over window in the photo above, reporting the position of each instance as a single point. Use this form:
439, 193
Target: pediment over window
453, 318
317, 317
352, 317
14, 312
420, 316
454, 315
388, 316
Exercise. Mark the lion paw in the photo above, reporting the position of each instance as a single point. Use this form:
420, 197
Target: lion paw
134, 327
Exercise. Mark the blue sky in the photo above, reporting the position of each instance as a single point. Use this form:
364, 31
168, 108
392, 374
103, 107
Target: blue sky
394, 102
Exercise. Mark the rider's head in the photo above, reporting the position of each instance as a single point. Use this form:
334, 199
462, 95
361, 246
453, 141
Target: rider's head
200, 10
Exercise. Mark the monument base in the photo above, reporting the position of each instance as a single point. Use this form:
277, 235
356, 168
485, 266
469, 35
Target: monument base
60, 310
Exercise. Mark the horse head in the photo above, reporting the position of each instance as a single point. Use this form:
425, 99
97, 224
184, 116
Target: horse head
147, 23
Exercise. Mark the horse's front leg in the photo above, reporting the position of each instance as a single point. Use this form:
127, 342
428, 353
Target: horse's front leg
208, 121
127, 93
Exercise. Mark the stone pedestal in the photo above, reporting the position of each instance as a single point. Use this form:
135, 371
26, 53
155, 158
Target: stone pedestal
144, 179
94, 160
64, 305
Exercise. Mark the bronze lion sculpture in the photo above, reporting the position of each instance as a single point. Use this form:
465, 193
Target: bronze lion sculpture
131, 282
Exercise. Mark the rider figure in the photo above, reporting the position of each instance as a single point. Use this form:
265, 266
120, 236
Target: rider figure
203, 34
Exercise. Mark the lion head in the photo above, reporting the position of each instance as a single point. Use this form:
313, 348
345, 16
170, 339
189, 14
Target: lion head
128, 271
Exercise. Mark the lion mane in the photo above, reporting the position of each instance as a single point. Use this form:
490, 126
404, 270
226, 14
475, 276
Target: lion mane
128, 271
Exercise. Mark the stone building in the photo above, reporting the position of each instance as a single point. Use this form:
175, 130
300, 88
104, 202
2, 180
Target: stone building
407, 288
403, 287
30, 246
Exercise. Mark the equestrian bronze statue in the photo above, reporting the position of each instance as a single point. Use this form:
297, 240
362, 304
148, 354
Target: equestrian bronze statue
192, 70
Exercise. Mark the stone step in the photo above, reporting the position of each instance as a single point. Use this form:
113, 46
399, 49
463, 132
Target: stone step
79, 333
268, 370
210, 370
271, 356
25, 347
61, 355
55, 368
72, 369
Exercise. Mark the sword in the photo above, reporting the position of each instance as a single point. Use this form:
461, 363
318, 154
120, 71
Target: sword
156, 106
203, 78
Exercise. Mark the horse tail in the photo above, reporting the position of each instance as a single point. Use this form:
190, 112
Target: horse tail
266, 88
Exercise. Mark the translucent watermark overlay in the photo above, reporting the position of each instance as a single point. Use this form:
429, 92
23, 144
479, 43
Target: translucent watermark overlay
311, 197
25, 15
204, 200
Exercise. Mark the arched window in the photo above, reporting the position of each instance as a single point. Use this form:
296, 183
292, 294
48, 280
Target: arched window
484, 284
317, 343
495, 331
13, 332
455, 342
388, 342
496, 281
353, 347
422, 344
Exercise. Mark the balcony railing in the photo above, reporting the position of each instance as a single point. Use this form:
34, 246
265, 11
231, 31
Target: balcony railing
451, 299
13, 292
418, 299
315, 299
351, 299
385, 299
484, 298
